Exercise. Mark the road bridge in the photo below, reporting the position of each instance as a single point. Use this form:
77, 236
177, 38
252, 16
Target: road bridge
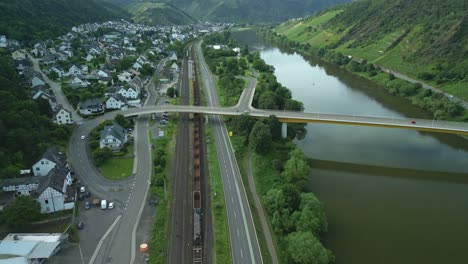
301, 117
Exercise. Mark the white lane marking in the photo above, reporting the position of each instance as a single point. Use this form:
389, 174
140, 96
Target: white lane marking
242, 254
238, 234
235, 216
96, 251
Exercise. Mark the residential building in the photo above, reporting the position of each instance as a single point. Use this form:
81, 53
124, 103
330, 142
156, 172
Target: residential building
32, 248
116, 101
79, 81
62, 117
53, 193
113, 137
49, 160
91, 107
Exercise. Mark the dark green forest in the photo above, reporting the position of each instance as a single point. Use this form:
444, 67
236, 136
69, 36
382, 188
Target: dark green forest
31, 20
26, 129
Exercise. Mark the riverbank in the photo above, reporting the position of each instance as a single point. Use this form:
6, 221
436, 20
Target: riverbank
441, 105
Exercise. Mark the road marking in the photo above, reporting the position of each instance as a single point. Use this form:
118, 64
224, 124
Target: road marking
242, 254
235, 216
96, 251
81, 254
238, 234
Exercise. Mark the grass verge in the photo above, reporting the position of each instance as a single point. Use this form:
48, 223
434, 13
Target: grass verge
117, 168
160, 187
222, 243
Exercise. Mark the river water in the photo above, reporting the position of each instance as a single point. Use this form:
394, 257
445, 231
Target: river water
391, 195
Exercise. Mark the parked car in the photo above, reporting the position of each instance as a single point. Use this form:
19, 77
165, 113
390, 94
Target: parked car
111, 205
153, 201
87, 194
83, 137
103, 204
163, 122
80, 225
87, 205
82, 189
81, 197
413, 122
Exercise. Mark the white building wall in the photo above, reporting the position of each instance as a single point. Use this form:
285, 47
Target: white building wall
42, 167
51, 201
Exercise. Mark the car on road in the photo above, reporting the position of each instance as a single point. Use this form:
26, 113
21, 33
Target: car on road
87, 194
83, 137
80, 225
153, 201
87, 205
82, 189
166, 101
81, 197
111, 205
163, 122
413, 122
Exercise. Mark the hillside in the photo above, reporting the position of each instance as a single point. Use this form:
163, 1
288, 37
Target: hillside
152, 13
425, 39
30, 20
252, 11
244, 10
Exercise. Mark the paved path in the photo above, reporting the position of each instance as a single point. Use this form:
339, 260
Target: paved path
260, 211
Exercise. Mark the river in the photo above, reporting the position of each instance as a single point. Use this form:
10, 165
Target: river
391, 195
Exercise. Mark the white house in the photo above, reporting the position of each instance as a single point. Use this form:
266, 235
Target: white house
36, 81
62, 117
52, 193
51, 158
79, 81
116, 101
89, 58
91, 107
3, 41
137, 66
74, 70
102, 73
175, 67
113, 137
172, 55
125, 76
57, 69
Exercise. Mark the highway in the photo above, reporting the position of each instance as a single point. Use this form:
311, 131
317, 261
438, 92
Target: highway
244, 242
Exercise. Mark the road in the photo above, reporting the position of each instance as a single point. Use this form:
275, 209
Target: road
129, 195
244, 242
57, 90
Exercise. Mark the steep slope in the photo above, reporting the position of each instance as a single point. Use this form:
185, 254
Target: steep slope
29, 20
425, 39
251, 10
152, 13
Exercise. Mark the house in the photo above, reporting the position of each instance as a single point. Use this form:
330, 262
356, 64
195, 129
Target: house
32, 248
116, 90
116, 101
40, 91
19, 55
62, 117
35, 81
91, 107
48, 59
21, 64
137, 66
172, 56
20, 186
125, 76
84, 68
50, 159
57, 69
53, 193
175, 67
106, 80
74, 70
113, 137
79, 81
89, 58
3, 41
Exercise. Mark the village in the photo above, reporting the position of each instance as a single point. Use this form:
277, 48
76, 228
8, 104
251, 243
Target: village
93, 69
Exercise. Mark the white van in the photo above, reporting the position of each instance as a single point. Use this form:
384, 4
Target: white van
103, 204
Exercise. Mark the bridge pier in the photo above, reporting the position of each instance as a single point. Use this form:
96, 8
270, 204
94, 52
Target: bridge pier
284, 130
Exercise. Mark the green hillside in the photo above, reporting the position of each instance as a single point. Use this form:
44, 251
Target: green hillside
30, 20
425, 39
152, 13
251, 10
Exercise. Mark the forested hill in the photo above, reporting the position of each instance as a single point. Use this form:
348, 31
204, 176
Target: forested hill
426, 39
152, 13
252, 10
28, 20
244, 10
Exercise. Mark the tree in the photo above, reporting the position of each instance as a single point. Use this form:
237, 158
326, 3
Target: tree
21, 212
260, 138
267, 100
304, 247
172, 92
275, 127
122, 121
147, 70
243, 124
101, 155
296, 169
313, 218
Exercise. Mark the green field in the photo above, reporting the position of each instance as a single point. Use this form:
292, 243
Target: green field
117, 168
